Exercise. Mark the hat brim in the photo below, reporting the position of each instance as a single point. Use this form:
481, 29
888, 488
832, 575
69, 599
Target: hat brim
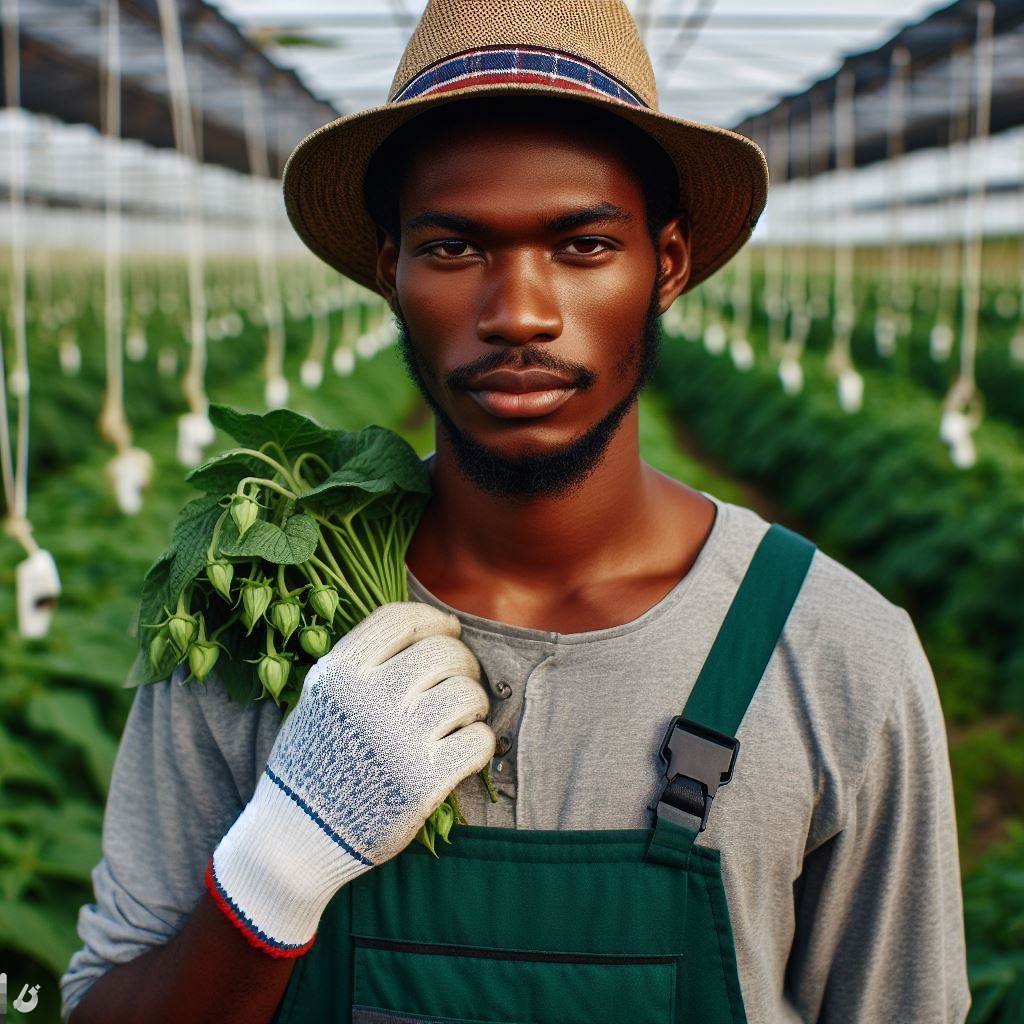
723, 179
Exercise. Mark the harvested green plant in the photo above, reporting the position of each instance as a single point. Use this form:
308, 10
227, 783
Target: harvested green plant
300, 532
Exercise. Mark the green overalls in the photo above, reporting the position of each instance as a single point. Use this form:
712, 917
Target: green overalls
606, 926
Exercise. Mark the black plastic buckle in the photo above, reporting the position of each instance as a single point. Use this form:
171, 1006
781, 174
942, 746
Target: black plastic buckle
697, 761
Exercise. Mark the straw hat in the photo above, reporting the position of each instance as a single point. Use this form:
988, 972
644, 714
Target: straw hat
589, 50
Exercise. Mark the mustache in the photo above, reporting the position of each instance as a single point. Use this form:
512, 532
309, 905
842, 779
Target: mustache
520, 359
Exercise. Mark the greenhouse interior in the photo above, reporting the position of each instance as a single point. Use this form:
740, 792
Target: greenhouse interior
855, 373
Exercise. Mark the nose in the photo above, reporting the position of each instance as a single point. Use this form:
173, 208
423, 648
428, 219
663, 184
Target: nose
519, 306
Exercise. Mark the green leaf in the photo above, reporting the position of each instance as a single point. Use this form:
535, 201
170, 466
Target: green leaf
220, 475
293, 544
155, 595
72, 846
190, 540
383, 463
293, 432
44, 933
73, 716
41, 839
19, 763
169, 575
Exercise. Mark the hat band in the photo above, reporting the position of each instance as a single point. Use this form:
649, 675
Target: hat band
522, 65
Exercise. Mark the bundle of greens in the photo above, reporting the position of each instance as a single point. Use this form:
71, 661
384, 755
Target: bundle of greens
300, 533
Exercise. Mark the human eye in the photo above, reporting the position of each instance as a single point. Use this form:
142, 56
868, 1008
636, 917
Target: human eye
448, 248
588, 245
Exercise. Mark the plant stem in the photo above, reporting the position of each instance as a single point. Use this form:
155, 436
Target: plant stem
263, 482
326, 548
453, 800
340, 580
358, 562
363, 565
485, 775
309, 455
264, 458
211, 551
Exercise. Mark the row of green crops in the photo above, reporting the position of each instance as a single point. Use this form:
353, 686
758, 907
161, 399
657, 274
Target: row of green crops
878, 486
877, 490
1000, 376
65, 407
999, 371
62, 705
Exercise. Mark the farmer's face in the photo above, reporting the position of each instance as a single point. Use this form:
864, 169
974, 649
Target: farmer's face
524, 247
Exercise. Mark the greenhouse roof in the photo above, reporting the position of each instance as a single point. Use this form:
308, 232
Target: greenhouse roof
726, 62
61, 47
715, 60
940, 83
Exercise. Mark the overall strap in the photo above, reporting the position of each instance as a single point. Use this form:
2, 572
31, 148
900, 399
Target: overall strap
700, 749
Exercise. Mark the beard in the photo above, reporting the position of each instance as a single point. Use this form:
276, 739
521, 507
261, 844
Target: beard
545, 474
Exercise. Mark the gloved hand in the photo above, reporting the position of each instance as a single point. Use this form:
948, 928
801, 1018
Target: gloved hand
356, 769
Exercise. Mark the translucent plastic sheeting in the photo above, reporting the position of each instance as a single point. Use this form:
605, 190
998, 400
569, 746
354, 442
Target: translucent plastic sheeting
715, 61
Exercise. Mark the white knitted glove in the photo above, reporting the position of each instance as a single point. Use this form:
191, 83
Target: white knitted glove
356, 769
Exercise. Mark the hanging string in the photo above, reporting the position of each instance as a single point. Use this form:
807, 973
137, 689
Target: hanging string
778, 261
276, 393
797, 291
194, 429
36, 579
821, 281
963, 405
844, 302
312, 369
839, 361
889, 320
15, 468
131, 469
113, 423
940, 340
1017, 341
774, 272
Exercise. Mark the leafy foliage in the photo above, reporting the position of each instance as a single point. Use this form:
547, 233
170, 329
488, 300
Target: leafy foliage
305, 489
994, 913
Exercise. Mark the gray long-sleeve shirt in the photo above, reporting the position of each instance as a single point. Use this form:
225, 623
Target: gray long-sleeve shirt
838, 839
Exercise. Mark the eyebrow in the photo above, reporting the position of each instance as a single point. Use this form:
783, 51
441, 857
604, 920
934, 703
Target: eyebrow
598, 213
603, 213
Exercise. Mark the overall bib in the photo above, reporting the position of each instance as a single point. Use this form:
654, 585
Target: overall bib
542, 926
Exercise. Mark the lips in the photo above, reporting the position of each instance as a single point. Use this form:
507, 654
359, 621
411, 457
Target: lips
519, 381
517, 394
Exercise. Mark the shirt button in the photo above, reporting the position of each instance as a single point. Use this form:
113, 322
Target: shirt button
503, 690
504, 744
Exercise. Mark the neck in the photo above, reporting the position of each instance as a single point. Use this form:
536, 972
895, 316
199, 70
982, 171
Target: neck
591, 531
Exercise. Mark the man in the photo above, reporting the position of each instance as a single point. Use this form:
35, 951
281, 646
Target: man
527, 226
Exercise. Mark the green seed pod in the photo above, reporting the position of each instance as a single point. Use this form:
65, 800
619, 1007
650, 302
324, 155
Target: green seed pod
158, 649
220, 574
444, 818
285, 615
183, 629
256, 597
245, 511
315, 641
324, 601
426, 834
202, 656
273, 671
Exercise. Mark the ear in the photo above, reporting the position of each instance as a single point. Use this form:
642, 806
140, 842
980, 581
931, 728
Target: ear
387, 267
673, 261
